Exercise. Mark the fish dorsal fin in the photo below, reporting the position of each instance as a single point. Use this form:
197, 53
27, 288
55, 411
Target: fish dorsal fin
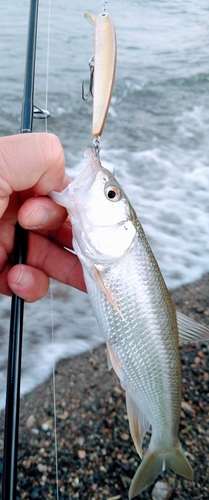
90, 18
138, 422
98, 278
190, 330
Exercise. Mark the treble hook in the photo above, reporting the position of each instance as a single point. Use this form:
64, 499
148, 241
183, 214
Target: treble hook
91, 80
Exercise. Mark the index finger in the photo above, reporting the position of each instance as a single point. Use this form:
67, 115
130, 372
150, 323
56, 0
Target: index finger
31, 161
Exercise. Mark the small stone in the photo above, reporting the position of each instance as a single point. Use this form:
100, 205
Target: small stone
186, 407
161, 491
35, 431
81, 454
42, 467
200, 429
24, 495
27, 463
80, 440
118, 390
46, 426
92, 361
30, 421
197, 360
63, 416
124, 436
43, 480
76, 482
200, 309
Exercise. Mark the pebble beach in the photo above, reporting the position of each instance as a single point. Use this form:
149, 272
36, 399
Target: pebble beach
96, 455
157, 139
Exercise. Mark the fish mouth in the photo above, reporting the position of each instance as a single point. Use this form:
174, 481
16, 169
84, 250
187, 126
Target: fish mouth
83, 182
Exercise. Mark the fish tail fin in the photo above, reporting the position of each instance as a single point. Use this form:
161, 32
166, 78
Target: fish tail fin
178, 463
155, 462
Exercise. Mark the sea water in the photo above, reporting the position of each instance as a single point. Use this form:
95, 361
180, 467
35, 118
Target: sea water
156, 138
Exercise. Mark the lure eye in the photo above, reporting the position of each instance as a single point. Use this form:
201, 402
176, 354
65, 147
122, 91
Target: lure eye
112, 193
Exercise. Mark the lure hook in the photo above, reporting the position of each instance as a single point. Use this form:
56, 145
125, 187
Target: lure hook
91, 80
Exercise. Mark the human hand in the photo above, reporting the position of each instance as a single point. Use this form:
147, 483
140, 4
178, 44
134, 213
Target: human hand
31, 166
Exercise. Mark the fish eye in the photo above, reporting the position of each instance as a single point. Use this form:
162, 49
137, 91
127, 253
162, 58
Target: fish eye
112, 193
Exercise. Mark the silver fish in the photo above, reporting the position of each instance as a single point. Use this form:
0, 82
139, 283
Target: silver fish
135, 312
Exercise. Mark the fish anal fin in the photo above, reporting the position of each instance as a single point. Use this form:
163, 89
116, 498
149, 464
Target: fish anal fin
190, 330
138, 422
98, 278
90, 18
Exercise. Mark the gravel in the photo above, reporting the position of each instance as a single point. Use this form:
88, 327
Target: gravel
96, 456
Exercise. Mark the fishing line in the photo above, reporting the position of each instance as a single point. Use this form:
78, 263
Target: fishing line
47, 62
54, 392
51, 280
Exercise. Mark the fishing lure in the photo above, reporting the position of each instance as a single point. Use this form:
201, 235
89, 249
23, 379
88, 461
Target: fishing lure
102, 71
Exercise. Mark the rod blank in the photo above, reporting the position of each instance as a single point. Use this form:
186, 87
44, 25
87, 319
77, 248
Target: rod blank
9, 474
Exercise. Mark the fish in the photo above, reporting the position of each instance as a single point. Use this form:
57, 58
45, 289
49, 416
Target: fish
105, 52
136, 315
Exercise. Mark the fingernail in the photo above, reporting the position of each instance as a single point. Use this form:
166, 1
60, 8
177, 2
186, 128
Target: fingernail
37, 218
22, 278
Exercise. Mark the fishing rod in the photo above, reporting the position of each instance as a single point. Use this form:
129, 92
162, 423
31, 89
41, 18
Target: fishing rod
9, 474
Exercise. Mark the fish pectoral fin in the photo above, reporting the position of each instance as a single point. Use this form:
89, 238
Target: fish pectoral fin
138, 422
190, 330
90, 18
113, 362
98, 278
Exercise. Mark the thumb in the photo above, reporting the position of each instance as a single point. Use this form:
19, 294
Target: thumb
30, 161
